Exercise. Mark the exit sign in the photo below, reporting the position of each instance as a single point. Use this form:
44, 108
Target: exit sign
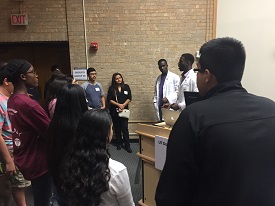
19, 19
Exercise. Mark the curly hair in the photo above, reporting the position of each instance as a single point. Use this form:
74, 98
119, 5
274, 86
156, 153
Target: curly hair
86, 173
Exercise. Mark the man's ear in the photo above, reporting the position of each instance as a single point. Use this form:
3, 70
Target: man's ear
210, 78
207, 75
6, 82
23, 77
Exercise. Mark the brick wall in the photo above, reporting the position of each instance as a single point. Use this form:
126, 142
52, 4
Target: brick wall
132, 36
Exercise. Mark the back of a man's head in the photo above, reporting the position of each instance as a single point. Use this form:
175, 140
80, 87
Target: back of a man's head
3, 73
54, 67
223, 57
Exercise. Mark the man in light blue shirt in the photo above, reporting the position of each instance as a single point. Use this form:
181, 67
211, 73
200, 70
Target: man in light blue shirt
94, 91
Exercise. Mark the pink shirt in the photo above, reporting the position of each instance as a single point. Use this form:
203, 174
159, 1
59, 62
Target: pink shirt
51, 107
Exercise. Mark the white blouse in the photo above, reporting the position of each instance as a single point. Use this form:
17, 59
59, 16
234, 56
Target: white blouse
119, 193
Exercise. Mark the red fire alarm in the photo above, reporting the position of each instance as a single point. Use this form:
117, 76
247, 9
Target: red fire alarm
94, 45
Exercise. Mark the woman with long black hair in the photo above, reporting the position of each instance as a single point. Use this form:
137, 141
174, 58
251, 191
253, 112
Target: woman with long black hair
119, 96
70, 106
90, 177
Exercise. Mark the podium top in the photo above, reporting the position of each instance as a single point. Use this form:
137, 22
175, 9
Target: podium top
152, 130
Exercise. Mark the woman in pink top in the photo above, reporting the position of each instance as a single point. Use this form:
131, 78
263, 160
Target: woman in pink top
55, 86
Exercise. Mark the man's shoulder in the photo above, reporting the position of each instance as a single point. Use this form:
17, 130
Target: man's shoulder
84, 84
98, 83
171, 73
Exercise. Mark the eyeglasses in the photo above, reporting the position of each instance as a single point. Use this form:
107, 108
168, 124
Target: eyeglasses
199, 70
33, 71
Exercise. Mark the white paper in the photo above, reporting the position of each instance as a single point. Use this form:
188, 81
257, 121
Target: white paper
160, 151
80, 73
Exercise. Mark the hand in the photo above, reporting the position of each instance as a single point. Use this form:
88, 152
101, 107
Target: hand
121, 106
102, 107
174, 106
165, 100
10, 168
167, 106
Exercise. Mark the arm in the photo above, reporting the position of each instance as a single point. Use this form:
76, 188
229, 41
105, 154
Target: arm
129, 96
121, 188
102, 102
177, 179
155, 98
5, 155
172, 97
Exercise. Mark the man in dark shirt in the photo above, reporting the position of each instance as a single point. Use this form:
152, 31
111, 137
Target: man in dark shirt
221, 150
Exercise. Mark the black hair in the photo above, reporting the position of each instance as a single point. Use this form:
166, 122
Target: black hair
70, 105
54, 67
91, 69
16, 67
161, 61
86, 173
53, 90
224, 57
3, 71
114, 85
189, 57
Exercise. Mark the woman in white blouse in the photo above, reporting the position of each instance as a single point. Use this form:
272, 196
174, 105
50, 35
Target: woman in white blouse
90, 176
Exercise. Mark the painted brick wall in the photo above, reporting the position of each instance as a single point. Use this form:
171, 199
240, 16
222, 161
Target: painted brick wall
132, 36
47, 21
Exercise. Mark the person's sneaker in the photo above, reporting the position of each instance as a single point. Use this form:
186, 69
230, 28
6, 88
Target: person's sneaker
128, 149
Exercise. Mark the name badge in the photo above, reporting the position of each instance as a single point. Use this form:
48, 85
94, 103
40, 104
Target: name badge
97, 89
126, 92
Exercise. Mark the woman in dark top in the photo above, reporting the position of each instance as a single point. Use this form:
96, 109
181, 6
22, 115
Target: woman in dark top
119, 96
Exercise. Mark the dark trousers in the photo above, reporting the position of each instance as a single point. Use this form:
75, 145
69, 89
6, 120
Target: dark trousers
121, 130
41, 188
5, 190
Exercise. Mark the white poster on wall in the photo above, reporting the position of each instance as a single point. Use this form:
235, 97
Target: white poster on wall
160, 151
80, 73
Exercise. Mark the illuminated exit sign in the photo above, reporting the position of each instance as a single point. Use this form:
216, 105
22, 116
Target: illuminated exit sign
19, 19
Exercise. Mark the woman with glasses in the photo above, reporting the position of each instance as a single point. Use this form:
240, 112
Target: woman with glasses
29, 124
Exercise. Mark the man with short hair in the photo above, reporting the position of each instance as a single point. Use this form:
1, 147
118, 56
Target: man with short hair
12, 174
166, 88
94, 91
188, 80
56, 72
221, 149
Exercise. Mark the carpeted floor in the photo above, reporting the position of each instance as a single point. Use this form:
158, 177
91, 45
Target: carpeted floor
130, 160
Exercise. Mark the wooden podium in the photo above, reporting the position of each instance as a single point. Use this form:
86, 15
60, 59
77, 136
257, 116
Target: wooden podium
150, 175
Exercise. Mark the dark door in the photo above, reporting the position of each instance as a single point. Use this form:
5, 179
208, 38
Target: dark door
42, 55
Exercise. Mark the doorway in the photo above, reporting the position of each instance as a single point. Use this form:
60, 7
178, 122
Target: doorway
42, 55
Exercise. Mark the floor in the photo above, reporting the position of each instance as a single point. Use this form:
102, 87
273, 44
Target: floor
130, 160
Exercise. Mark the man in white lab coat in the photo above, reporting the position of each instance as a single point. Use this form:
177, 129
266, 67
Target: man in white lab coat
188, 80
166, 88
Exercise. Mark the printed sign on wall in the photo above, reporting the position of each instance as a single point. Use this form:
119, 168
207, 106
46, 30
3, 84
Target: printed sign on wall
80, 73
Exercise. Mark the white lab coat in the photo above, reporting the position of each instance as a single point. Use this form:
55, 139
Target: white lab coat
170, 90
189, 84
